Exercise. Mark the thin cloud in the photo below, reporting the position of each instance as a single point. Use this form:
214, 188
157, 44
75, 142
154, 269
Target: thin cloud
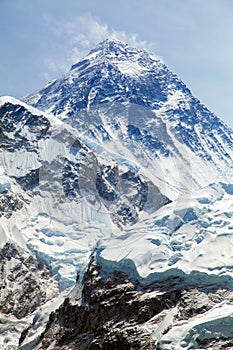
86, 31
74, 39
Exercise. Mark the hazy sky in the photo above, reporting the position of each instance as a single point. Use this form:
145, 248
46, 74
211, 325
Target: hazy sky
40, 39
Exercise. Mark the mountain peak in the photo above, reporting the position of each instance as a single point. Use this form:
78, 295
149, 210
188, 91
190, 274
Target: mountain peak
111, 45
114, 50
113, 71
111, 42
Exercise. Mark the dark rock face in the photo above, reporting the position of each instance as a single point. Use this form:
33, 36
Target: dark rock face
123, 193
30, 180
25, 282
19, 122
9, 203
116, 312
111, 315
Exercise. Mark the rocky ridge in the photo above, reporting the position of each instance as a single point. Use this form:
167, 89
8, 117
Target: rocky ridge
116, 312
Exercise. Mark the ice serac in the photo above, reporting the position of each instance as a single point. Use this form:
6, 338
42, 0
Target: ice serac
120, 181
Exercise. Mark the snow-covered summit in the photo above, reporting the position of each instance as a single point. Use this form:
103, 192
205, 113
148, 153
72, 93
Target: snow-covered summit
114, 50
111, 72
127, 100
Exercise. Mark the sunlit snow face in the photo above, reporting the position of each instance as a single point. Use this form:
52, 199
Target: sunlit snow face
110, 151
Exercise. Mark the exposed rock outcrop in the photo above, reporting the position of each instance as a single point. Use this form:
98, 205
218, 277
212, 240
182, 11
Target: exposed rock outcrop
116, 312
25, 282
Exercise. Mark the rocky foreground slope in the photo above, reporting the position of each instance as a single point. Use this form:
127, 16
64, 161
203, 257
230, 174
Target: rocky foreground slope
118, 312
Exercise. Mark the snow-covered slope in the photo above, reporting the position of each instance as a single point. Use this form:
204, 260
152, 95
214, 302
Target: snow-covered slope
128, 101
119, 158
191, 238
59, 198
65, 197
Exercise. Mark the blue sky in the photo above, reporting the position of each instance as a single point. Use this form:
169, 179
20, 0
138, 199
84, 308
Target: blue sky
41, 39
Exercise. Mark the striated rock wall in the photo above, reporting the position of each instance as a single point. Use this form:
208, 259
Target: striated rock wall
118, 313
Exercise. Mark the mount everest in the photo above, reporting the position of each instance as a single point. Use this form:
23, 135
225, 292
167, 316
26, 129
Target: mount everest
116, 211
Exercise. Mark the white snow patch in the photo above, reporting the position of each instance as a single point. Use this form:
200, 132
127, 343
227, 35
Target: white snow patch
132, 69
